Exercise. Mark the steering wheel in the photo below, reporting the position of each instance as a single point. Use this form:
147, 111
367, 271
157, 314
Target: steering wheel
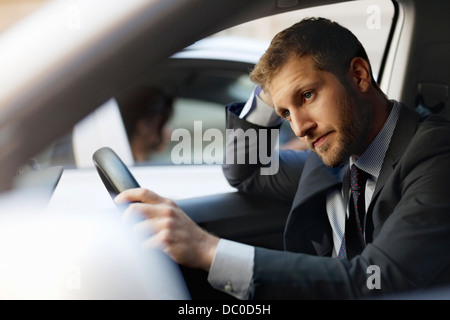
114, 173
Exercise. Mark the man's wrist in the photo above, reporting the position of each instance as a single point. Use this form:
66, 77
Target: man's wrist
210, 252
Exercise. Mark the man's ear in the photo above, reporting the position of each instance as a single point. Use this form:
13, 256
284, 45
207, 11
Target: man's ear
360, 73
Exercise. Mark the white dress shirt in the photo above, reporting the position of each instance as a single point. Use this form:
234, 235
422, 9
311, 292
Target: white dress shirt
232, 267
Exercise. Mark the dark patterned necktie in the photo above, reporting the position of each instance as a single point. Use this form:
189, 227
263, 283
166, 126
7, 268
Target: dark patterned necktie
353, 242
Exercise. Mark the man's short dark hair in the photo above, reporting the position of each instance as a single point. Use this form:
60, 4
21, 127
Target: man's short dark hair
331, 47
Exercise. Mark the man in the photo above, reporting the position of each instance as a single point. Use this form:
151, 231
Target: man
392, 218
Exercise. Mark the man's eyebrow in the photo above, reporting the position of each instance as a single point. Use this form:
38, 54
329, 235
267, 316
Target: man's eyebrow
308, 86
300, 89
277, 109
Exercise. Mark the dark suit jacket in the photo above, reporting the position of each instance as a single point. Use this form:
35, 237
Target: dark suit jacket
408, 220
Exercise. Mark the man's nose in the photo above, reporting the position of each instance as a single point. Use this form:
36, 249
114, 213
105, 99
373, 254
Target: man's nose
301, 123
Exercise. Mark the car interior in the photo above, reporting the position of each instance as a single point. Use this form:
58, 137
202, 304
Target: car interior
414, 68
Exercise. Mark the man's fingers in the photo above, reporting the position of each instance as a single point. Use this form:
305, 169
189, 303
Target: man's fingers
145, 228
153, 235
156, 242
136, 212
159, 223
140, 195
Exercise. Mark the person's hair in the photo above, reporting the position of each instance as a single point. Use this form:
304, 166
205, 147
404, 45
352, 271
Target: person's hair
146, 103
331, 47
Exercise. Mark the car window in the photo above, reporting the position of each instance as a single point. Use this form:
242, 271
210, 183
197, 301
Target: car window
369, 20
215, 72
191, 118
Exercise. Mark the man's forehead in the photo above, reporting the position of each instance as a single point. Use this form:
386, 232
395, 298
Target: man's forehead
296, 73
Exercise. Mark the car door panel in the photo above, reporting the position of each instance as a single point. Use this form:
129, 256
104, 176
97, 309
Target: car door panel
240, 217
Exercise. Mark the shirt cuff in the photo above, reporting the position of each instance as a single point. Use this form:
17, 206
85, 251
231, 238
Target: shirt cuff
232, 268
258, 112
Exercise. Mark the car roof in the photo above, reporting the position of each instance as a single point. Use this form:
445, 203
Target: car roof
232, 48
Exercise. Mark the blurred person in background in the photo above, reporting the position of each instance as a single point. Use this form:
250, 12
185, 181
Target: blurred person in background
145, 115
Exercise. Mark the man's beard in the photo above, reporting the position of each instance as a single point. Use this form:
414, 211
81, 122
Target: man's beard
351, 137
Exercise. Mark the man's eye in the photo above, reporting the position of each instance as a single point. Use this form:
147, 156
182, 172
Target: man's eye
308, 95
286, 113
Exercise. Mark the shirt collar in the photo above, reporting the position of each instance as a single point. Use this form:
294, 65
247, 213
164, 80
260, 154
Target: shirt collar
372, 158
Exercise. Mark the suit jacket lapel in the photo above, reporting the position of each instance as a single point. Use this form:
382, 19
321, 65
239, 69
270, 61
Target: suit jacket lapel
404, 131
317, 177
307, 228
